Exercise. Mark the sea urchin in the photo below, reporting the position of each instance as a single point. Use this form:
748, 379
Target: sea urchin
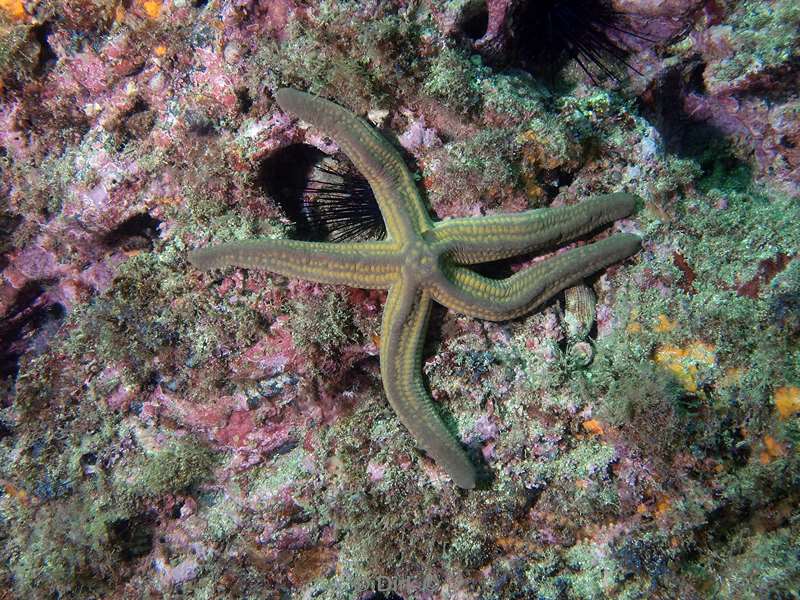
548, 33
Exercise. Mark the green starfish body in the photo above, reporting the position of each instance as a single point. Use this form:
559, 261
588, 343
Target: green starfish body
422, 261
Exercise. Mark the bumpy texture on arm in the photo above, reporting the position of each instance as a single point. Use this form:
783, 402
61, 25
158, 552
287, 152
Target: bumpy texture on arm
502, 236
467, 292
405, 319
376, 159
358, 264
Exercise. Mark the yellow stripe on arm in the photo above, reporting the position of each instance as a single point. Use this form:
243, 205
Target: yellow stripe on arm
376, 159
405, 319
501, 236
358, 264
500, 299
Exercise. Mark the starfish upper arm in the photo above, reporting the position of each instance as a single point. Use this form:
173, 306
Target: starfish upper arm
358, 264
376, 159
405, 319
467, 292
501, 236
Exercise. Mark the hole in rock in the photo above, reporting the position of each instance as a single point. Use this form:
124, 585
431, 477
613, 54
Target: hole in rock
326, 199
134, 233
476, 22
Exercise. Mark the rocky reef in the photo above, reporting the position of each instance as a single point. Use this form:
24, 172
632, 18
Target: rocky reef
171, 433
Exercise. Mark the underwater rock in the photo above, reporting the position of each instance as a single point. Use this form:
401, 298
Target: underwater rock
227, 435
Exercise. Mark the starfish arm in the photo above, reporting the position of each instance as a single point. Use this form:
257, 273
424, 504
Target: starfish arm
465, 291
376, 159
405, 319
477, 240
357, 264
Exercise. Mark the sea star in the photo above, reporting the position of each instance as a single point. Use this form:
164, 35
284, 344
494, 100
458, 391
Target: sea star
422, 261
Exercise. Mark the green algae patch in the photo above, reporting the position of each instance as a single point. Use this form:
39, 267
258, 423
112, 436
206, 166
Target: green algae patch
377, 61
73, 547
453, 79
91, 529
176, 468
760, 566
764, 36
324, 322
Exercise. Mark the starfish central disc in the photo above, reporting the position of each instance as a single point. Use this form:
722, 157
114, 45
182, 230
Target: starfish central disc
420, 260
